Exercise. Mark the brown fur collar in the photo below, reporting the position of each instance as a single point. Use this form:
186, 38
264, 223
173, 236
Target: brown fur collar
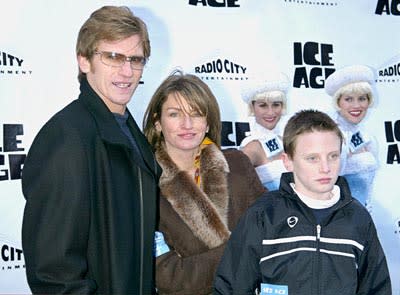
203, 210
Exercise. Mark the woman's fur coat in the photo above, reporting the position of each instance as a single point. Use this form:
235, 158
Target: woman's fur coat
196, 222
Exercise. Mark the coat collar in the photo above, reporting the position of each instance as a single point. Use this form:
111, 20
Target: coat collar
288, 177
107, 125
105, 120
204, 210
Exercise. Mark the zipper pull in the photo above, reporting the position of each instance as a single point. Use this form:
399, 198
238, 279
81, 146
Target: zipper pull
318, 232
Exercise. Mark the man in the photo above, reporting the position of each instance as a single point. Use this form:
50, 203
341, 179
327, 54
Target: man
310, 236
90, 178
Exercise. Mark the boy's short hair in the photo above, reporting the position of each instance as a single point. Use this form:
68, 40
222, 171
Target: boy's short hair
306, 121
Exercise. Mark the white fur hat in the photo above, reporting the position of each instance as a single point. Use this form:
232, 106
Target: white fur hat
279, 82
348, 75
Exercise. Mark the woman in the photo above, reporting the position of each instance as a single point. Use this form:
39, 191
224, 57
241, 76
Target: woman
352, 90
267, 104
203, 190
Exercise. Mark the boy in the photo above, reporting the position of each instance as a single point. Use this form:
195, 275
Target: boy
310, 236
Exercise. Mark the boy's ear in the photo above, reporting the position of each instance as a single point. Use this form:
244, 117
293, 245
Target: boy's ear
287, 162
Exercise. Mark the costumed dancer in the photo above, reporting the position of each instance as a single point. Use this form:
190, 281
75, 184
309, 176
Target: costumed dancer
353, 92
266, 100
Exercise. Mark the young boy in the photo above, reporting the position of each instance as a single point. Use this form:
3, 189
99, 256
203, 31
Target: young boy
310, 236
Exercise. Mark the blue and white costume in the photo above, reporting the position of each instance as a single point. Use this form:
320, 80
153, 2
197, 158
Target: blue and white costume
271, 141
360, 164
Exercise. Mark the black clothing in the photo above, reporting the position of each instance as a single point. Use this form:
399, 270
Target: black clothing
278, 242
90, 214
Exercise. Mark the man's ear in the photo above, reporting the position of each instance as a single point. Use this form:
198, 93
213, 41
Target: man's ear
84, 64
287, 162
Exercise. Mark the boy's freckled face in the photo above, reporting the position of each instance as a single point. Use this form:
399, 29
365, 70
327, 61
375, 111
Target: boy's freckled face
315, 163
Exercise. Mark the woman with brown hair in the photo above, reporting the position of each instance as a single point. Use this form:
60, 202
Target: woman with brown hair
204, 190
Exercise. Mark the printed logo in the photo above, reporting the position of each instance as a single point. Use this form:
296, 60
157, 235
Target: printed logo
11, 256
11, 158
215, 3
233, 133
272, 146
397, 226
313, 64
389, 72
317, 3
392, 132
160, 246
292, 221
12, 65
221, 69
388, 7
267, 289
356, 139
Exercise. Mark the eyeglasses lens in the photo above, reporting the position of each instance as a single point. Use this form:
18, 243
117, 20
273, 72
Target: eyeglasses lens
114, 59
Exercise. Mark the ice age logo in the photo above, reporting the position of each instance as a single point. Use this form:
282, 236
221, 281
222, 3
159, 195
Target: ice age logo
215, 3
11, 158
272, 146
392, 132
358, 141
268, 289
313, 63
388, 7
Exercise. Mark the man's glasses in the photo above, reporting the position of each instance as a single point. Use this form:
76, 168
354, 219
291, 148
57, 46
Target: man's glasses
114, 59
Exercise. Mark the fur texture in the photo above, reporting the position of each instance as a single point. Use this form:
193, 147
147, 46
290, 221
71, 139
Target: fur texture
203, 209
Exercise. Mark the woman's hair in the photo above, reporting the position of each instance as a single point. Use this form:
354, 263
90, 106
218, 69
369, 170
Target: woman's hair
198, 96
110, 23
268, 96
359, 88
307, 121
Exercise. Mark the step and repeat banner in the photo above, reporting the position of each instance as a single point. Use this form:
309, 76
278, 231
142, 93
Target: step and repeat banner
226, 43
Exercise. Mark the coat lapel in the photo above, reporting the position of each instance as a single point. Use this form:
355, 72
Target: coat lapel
204, 210
107, 126
144, 146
